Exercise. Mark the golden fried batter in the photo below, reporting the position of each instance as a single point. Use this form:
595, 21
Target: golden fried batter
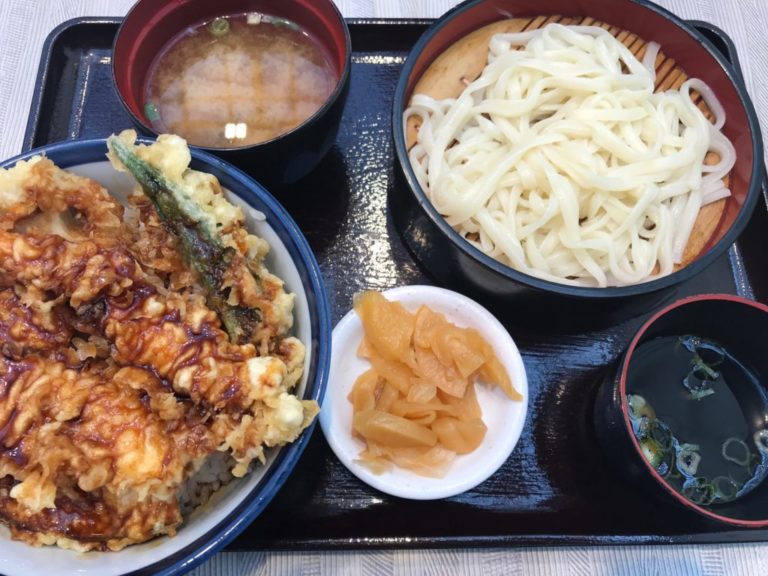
36, 185
117, 382
154, 247
72, 434
31, 325
79, 270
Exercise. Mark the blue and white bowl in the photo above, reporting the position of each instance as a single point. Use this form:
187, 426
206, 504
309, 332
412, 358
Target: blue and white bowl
234, 507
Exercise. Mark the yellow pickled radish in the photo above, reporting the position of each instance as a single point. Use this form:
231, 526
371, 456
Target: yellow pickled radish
416, 408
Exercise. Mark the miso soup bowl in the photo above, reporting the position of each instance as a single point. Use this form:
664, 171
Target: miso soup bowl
152, 24
741, 327
455, 263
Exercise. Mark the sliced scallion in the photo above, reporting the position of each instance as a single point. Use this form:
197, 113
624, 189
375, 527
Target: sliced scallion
219, 26
661, 433
699, 491
277, 21
638, 407
704, 371
688, 459
698, 387
740, 459
151, 112
652, 451
726, 488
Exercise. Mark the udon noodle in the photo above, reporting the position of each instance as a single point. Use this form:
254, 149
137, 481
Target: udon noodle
561, 161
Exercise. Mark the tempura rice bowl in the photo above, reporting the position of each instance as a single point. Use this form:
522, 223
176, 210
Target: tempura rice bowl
230, 509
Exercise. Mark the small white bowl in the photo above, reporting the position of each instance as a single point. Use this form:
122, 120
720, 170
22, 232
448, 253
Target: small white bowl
503, 416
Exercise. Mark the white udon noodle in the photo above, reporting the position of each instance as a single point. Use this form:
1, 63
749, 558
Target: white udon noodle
562, 162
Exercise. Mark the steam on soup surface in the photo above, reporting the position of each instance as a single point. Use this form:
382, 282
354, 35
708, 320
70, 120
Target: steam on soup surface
238, 80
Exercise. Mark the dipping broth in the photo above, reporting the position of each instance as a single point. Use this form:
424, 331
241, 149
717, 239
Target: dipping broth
698, 414
238, 80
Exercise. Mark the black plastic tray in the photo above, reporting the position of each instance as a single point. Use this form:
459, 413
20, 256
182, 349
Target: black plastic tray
556, 487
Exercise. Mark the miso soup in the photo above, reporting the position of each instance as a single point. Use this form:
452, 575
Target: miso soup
238, 80
699, 415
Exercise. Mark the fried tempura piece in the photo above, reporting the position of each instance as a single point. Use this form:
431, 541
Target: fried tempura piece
154, 248
177, 336
31, 324
81, 270
90, 458
210, 235
182, 341
37, 185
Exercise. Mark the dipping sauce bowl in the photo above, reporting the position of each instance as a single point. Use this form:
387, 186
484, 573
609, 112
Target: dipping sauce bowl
740, 327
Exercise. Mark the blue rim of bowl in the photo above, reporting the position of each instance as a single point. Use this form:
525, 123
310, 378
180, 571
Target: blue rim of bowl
341, 86
71, 153
687, 272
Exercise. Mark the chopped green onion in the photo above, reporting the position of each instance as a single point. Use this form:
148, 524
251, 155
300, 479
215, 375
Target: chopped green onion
652, 451
703, 371
701, 393
151, 112
640, 427
706, 354
743, 461
219, 26
688, 459
726, 488
638, 407
283, 22
699, 491
698, 387
661, 433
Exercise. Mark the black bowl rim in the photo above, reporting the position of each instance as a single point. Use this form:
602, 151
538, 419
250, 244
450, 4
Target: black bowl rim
624, 404
329, 102
583, 292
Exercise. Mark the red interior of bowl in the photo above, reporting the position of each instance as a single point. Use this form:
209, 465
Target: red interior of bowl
675, 41
151, 24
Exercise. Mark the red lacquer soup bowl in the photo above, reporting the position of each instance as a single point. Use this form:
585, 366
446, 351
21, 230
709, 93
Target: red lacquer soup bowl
153, 25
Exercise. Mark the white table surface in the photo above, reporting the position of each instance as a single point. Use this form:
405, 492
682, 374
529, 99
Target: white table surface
24, 25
